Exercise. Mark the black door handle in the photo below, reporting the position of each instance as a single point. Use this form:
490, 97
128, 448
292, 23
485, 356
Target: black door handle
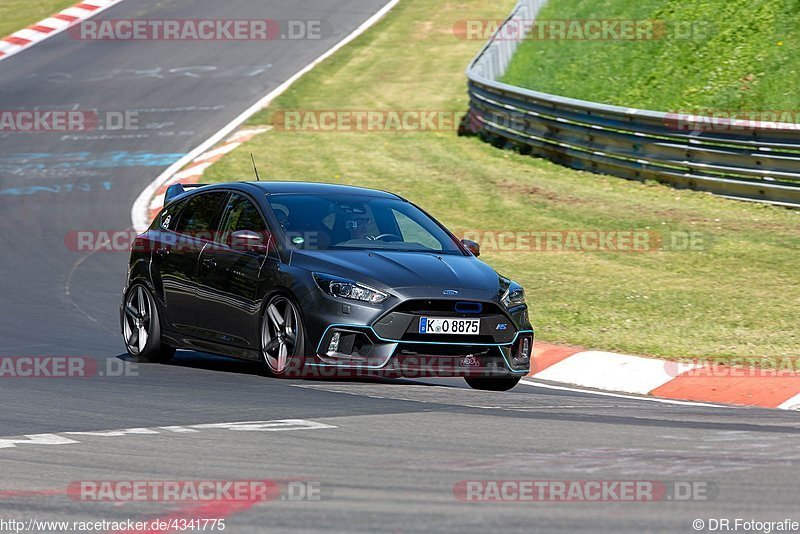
162, 251
209, 263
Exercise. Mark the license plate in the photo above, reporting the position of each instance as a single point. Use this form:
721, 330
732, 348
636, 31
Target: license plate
437, 325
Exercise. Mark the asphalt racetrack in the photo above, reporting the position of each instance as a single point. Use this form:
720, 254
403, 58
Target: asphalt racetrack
387, 455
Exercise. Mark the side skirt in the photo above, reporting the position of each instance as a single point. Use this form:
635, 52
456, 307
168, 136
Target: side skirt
182, 341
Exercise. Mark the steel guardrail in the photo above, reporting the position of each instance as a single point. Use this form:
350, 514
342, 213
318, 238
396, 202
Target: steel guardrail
729, 158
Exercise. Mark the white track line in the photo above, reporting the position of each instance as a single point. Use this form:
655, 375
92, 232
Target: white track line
140, 210
529, 382
792, 404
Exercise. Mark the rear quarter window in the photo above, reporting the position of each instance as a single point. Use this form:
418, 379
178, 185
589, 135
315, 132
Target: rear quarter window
168, 218
198, 216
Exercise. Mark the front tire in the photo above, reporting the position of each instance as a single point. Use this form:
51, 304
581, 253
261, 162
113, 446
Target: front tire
283, 338
141, 327
492, 383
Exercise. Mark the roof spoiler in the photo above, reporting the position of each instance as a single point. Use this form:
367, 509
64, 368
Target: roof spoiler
178, 189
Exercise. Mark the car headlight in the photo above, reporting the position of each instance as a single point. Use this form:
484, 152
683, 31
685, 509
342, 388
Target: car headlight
348, 289
514, 295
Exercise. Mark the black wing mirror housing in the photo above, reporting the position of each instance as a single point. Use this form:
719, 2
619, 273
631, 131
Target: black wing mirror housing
248, 241
472, 246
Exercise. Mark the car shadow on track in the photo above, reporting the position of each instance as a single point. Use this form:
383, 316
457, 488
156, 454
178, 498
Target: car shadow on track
213, 362
627, 413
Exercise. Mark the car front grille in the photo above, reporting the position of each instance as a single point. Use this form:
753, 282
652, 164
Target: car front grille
402, 322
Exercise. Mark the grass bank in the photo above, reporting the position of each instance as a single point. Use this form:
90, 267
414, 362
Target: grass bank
712, 55
18, 14
734, 295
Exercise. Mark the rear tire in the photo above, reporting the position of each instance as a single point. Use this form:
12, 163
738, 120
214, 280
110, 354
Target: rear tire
283, 338
141, 327
492, 383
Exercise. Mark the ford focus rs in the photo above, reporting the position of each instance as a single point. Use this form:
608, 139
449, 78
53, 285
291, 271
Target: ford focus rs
321, 278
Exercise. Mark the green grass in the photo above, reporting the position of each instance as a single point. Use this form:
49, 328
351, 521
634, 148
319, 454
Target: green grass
17, 14
747, 59
738, 297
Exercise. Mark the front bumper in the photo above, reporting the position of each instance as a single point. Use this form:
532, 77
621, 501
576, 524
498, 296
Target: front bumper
391, 345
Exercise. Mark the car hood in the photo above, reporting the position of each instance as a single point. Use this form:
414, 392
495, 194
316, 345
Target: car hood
399, 270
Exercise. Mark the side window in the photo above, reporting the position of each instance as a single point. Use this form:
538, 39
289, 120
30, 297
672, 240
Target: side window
307, 222
414, 233
198, 216
241, 214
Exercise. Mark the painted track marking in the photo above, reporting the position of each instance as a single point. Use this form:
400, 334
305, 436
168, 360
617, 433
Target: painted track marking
70, 438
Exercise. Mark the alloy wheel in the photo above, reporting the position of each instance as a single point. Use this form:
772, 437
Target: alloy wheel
279, 334
138, 316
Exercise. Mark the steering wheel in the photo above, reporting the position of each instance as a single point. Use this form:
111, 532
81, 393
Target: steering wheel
394, 237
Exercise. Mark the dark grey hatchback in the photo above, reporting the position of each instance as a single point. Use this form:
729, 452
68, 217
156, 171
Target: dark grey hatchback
321, 280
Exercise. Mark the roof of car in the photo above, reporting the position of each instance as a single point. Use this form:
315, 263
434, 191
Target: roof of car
277, 188
313, 188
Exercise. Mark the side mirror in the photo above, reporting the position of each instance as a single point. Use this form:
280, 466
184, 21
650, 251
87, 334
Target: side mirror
472, 246
248, 241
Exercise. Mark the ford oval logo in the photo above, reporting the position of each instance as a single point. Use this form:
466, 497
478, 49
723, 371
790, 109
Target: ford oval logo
450, 292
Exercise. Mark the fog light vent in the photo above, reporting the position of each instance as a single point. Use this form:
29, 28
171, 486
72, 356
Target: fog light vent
521, 352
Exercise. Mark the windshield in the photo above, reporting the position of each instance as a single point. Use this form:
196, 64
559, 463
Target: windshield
349, 222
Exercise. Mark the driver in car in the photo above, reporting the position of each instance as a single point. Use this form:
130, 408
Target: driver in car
359, 227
